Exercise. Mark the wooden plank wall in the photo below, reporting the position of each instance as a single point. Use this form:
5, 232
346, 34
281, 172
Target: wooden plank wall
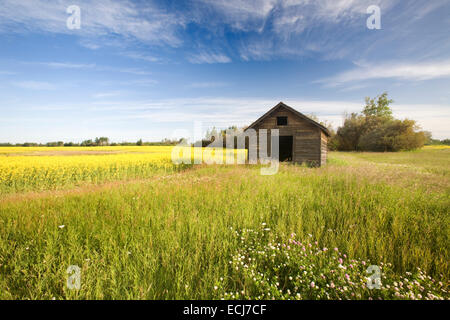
307, 137
324, 148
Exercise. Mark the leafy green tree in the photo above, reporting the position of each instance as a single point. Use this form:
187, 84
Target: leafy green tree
378, 107
428, 137
375, 129
394, 135
87, 143
102, 141
347, 136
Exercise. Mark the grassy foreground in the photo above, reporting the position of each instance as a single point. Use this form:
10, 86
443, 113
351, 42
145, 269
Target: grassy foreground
215, 232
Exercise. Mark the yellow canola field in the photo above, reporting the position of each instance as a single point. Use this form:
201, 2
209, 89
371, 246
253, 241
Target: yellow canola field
41, 168
121, 149
437, 147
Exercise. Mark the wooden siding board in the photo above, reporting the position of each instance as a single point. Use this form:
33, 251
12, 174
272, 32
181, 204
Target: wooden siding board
309, 140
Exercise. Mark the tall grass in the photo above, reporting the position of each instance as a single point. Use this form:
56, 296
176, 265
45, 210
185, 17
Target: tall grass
171, 238
431, 159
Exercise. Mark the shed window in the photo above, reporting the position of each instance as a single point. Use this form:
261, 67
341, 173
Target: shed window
282, 121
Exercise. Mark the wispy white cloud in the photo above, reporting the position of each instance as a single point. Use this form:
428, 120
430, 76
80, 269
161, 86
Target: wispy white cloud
207, 57
403, 71
205, 85
240, 14
102, 95
142, 82
327, 28
87, 43
139, 82
287, 17
34, 85
135, 71
141, 56
68, 65
71, 65
146, 22
272, 28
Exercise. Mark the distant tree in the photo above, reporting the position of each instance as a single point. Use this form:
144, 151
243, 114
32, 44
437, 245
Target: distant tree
428, 137
29, 144
392, 135
347, 136
211, 133
166, 142
70, 144
87, 143
332, 140
102, 141
139, 142
378, 107
429, 141
375, 129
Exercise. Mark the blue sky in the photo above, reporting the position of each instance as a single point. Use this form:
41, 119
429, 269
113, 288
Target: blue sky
149, 69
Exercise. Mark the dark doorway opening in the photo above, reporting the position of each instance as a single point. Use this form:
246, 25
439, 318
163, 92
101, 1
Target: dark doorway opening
286, 145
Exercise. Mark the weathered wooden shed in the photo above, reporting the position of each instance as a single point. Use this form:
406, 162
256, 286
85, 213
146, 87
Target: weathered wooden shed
302, 140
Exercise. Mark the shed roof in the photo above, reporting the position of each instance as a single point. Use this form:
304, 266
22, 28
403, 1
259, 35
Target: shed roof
299, 114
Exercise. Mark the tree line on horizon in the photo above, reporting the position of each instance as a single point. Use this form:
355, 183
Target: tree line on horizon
97, 142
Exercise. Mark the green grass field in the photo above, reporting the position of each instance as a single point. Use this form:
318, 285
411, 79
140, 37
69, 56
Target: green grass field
211, 232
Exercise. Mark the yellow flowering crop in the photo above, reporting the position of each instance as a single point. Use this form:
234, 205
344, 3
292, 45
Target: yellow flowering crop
42, 168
